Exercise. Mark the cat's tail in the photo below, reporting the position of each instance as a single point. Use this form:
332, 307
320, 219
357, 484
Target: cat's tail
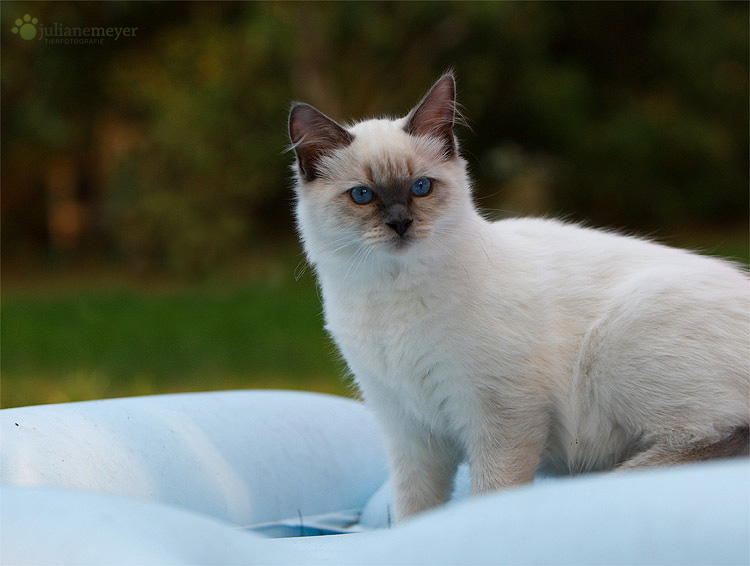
733, 445
737, 443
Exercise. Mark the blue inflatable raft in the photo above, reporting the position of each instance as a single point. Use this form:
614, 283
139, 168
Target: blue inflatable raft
245, 477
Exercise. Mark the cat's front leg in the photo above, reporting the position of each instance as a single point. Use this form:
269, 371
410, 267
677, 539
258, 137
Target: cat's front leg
423, 467
506, 450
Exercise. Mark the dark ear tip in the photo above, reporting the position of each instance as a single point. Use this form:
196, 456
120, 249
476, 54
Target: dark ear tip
301, 116
449, 80
297, 107
449, 76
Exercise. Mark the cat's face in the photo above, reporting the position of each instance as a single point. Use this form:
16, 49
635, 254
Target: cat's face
380, 185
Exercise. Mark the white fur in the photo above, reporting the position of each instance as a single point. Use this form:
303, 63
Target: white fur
512, 343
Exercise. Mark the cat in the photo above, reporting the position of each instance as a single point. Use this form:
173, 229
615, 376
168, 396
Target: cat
511, 343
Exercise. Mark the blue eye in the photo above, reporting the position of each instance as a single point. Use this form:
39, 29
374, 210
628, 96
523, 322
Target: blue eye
361, 195
421, 187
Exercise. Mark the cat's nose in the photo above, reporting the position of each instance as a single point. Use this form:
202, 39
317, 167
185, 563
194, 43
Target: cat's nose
400, 226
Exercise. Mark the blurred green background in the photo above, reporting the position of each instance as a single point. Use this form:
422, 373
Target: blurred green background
147, 238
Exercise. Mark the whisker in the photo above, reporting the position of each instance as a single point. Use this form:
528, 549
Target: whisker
301, 268
338, 244
359, 260
354, 260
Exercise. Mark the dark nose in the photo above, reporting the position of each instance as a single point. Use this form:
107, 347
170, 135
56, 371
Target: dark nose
400, 226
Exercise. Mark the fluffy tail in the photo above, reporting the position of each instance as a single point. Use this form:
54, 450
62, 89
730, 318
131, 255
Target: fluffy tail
665, 453
736, 444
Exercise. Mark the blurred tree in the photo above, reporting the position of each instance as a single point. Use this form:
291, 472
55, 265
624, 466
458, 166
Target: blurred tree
169, 148
215, 136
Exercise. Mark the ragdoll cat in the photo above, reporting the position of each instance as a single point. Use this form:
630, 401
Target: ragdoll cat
511, 343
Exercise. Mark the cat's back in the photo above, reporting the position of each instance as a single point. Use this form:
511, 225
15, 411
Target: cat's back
541, 237
573, 248
580, 275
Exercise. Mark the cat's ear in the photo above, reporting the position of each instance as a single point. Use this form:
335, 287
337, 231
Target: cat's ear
313, 135
435, 115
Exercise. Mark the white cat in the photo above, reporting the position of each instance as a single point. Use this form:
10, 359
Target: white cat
511, 343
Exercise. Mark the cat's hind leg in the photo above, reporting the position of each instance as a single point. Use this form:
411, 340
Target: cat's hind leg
668, 362
666, 452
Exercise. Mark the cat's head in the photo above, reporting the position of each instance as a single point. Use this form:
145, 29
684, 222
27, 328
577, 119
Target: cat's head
379, 186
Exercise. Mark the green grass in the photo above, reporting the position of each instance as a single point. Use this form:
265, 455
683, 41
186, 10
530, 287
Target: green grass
73, 343
84, 333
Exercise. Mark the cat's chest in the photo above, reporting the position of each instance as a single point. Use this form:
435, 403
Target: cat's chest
392, 334
403, 356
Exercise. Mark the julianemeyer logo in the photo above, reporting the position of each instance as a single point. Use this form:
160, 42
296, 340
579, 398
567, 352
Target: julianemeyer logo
29, 27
